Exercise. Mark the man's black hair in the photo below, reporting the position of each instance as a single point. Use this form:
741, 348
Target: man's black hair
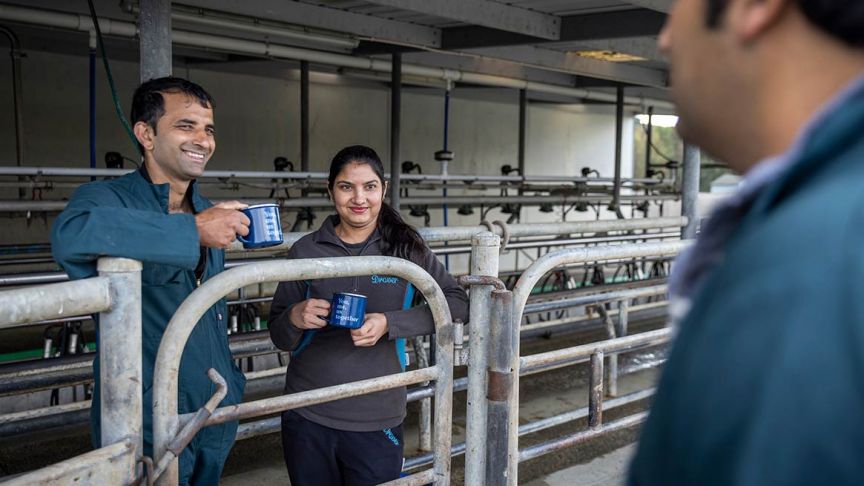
841, 19
148, 105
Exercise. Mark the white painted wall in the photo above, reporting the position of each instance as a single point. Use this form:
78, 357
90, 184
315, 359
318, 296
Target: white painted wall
257, 119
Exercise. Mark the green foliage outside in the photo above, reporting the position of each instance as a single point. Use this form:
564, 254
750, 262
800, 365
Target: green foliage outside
667, 142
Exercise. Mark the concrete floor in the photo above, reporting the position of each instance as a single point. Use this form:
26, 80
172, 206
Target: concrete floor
601, 462
607, 470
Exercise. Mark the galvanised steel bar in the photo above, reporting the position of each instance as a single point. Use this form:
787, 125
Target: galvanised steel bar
120, 368
434, 201
530, 428
611, 371
690, 189
544, 264
620, 329
425, 420
419, 479
584, 412
530, 329
558, 243
544, 361
112, 464
455, 233
67, 299
581, 437
35, 375
502, 448
281, 403
40, 419
547, 262
595, 391
619, 131
395, 128
195, 423
309, 176
599, 298
485, 247
304, 117
166, 421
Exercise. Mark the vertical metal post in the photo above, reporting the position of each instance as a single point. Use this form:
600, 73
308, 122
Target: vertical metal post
595, 397
502, 444
690, 189
92, 100
395, 128
120, 370
523, 129
304, 117
648, 143
619, 132
484, 261
620, 330
154, 30
425, 438
443, 403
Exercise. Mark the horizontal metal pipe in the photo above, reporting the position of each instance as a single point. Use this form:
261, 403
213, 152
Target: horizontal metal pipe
537, 426
419, 479
113, 464
522, 245
594, 299
229, 175
546, 263
287, 402
465, 233
32, 304
575, 320
538, 450
617, 345
16, 206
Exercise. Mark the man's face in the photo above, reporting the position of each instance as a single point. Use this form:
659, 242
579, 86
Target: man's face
698, 71
185, 138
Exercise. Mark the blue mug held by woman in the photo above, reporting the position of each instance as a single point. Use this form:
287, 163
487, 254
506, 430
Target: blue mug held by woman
265, 229
347, 310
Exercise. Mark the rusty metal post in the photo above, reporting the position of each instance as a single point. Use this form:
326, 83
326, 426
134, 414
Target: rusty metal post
502, 454
425, 421
120, 355
484, 262
595, 390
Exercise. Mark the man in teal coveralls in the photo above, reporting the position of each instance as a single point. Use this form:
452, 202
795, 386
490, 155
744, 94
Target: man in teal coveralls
157, 215
765, 381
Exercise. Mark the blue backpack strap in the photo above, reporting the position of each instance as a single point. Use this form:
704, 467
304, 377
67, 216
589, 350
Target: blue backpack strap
308, 334
400, 342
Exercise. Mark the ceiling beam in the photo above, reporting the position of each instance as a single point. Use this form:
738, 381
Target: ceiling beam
604, 25
656, 5
367, 27
486, 13
548, 59
644, 47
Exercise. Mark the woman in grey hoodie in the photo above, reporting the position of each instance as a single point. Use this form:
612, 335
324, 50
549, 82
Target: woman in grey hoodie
354, 440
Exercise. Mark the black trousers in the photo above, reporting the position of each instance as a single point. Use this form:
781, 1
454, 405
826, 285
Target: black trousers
320, 456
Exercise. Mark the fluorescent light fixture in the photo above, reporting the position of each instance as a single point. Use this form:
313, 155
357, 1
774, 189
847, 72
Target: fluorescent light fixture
659, 120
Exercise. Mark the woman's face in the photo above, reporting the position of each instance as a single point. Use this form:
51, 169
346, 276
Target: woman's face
357, 194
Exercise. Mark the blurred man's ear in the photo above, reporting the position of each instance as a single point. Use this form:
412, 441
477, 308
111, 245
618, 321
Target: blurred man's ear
750, 19
144, 134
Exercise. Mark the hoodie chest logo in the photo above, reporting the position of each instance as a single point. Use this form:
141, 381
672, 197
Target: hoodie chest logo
376, 279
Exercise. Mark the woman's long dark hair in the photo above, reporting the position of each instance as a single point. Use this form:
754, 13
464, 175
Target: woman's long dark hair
400, 239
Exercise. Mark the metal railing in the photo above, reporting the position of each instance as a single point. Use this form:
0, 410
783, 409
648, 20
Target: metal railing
596, 351
492, 382
116, 295
167, 423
